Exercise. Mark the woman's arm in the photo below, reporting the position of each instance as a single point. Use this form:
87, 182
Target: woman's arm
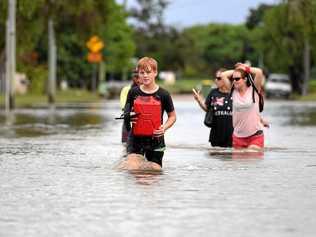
258, 77
197, 96
226, 76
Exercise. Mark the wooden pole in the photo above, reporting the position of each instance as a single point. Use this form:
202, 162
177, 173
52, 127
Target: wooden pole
11, 54
51, 63
7, 69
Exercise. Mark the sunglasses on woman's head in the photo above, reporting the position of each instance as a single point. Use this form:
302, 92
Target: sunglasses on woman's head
236, 78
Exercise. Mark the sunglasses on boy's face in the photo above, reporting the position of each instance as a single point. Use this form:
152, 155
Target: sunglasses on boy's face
218, 78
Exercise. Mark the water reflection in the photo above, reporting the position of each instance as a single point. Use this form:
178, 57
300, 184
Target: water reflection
146, 177
292, 113
305, 118
230, 154
33, 123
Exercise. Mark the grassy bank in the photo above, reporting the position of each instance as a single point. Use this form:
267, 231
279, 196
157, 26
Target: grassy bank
70, 96
181, 86
311, 96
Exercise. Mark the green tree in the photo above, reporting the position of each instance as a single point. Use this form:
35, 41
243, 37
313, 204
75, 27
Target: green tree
217, 45
302, 13
256, 15
152, 37
74, 21
283, 41
118, 36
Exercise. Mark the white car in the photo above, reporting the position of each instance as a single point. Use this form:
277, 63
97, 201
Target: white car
278, 85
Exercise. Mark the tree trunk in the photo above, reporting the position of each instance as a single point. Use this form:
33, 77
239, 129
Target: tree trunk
306, 61
51, 62
296, 78
2, 70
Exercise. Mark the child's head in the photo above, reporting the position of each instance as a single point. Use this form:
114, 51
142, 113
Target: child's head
136, 80
147, 64
218, 78
147, 70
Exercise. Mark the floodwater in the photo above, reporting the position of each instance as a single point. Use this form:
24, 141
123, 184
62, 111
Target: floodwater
58, 177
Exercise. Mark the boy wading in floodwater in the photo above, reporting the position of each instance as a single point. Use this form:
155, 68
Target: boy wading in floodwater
148, 101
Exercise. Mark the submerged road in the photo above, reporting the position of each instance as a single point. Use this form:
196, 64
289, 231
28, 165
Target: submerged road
57, 177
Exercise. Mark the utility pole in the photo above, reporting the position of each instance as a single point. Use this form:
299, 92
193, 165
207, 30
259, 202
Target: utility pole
306, 65
10, 56
7, 69
51, 62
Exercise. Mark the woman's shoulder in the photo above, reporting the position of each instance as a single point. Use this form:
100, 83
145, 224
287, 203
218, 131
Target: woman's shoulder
214, 92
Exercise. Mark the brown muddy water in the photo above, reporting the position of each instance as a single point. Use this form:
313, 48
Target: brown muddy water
57, 177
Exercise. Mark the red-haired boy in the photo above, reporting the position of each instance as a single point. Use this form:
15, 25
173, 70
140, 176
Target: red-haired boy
151, 147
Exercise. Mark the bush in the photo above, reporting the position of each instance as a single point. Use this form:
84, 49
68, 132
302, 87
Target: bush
38, 77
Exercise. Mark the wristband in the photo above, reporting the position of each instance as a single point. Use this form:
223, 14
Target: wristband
247, 69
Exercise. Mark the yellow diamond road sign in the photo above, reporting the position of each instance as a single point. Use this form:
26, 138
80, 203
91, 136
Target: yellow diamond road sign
95, 44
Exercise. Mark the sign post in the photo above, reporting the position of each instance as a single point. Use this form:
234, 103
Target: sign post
95, 45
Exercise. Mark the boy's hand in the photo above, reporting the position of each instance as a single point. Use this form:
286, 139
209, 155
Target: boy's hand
133, 117
159, 132
134, 120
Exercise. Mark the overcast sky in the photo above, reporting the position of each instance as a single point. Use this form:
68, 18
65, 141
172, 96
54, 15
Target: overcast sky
190, 12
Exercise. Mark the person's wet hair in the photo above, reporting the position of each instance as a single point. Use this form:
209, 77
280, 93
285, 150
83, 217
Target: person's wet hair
147, 64
135, 73
243, 75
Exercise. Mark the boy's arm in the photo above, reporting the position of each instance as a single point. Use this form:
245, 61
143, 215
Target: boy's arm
170, 121
168, 124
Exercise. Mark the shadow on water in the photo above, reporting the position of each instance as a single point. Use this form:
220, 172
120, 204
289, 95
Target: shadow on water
33, 123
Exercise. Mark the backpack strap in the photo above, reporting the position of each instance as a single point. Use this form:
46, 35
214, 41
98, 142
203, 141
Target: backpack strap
253, 95
261, 100
253, 84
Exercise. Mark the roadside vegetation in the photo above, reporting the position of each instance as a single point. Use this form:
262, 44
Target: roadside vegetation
62, 97
278, 37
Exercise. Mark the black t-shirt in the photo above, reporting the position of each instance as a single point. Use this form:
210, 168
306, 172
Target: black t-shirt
222, 129
161, 94
138, 143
